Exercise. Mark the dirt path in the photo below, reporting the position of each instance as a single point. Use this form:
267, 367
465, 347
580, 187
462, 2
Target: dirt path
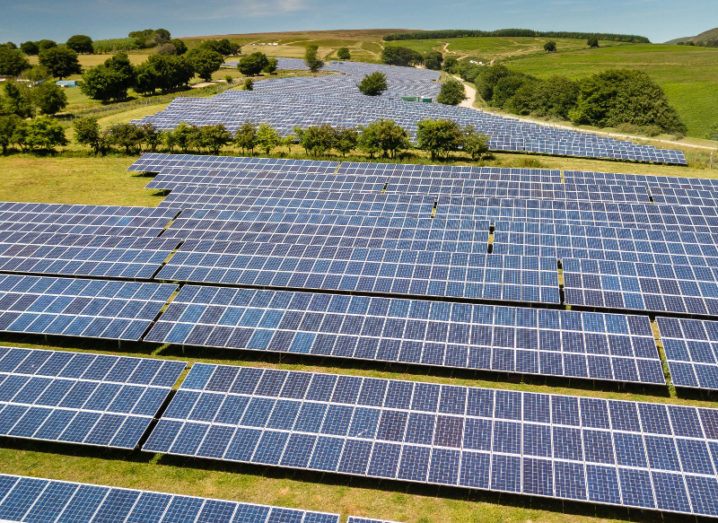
470, 91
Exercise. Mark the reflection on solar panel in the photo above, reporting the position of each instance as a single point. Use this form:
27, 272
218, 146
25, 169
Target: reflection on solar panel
691, 348
34, 500
81, 398
604, 243
83, 219
603, 451
84, 255
641, 286
75, 307
502, 339
160, 162
415, 234
382, 271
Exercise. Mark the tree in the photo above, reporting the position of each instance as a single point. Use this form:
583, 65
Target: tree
179, 45
487, 78
111, 80
311, 58
12, 62
45, 44
271, 67
550, 47
127, 136
30, 48
252, 64
267, 138
205, 62
554, 97
474, 143
42, 134
36, 74
223, 47
346, 140
81, 44
451, 63
246, 137
373, 84
344, 54
181, 137
384, 135
150, 37
17, 100
87, 132
214, 137
248, 84
61, 61
617, 97
317, 140
452, 92
439, 137
163, 72
152, 136
433, 60
167, 49
593, 42
401, 56
49, 98
8, 126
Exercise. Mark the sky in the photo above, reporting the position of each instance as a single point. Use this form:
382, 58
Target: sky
660, 20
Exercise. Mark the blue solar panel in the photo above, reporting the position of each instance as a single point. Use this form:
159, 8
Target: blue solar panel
34, 500
75, 307
554, 446
502, 339
81, 398
383, 271
691, 348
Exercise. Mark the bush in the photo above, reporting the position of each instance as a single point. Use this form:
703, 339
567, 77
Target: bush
252, 64
246, 137
616, 97
401, 56
8, 127
104, 84
163, 72
593, 42
87, 132
12, 62
127, 136
346, 140
17, 100
452, 93
553, 98
223, 47
114, 45
30, 48
475, 144
373, 84
81, 44
41, 134
713, 133
214, 137
550, 47
486, 79
344, 54
271, 67
60, 61
248, 84
439, 137
451, 64
433, 60
384, 135
49, 98
267, 138
317, 140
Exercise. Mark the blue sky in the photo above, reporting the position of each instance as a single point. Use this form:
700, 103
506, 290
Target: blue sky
660, 20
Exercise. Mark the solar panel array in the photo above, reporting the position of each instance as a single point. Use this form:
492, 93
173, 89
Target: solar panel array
81, 398
605, 451
335, 99
35, 500
79, 307
501, 339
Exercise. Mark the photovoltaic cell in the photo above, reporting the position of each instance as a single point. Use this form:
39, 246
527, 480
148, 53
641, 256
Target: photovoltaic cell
81, 398
35, 500
503, 339
643, 455
691, 348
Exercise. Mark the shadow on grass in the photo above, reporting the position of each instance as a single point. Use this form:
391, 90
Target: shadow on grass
432, 491
75, 450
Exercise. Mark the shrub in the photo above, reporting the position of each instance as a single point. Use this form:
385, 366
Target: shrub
401, 56
246, 137
344, 54
452, 93
386, 136
317, 140
8, 127
311, 58
474, 144
81, 44
252, 64
49, 98
373, 84
439, 137
433, 60
267, 138
87, 132
550, 47
205, 62
41, 134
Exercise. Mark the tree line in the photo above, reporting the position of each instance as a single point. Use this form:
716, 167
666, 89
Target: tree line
625, 99
464, 33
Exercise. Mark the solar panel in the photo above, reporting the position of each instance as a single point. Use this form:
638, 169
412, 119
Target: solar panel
81, 398
76, 307
502, 339
644, 455
641, 286
360, 519
84, 255
381, 271
604, 243
691, 348
34, 500
83, 219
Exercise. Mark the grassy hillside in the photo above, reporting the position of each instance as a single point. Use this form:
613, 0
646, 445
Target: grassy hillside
689, 75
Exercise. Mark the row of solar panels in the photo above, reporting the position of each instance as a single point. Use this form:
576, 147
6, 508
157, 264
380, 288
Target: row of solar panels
633, 454
582, 345
36, 500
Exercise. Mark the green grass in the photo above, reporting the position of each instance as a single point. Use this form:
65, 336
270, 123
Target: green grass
689, 75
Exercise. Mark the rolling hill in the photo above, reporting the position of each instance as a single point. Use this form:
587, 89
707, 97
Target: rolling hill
709, 37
